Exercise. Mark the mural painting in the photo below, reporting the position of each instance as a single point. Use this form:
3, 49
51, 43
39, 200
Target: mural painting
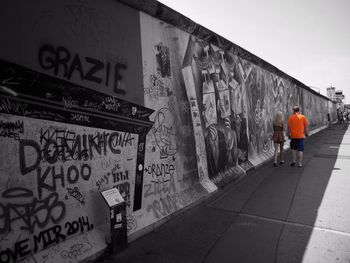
222, 107
267, 94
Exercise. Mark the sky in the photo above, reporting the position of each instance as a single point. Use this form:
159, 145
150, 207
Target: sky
307, 39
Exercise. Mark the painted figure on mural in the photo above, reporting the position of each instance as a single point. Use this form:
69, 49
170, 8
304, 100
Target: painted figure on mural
216, 151
243, 136
255, 102
297, 131
239, 116
261, 122
277, 88
230, 133
236, 127
223, 97
288, 98
278, 137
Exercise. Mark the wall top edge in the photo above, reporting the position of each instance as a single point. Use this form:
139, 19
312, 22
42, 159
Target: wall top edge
169, 15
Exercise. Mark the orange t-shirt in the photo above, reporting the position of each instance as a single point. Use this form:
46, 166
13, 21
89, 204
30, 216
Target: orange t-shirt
297, 123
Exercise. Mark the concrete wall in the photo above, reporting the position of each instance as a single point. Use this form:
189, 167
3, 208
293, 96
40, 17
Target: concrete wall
232, 101
192, 109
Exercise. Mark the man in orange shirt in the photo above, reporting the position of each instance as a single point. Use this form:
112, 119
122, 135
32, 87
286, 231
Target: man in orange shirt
297, 131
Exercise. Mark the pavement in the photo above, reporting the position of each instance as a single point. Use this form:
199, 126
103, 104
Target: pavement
282, 214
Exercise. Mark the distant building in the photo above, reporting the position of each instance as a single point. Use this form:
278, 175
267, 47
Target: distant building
339, 98
331, 93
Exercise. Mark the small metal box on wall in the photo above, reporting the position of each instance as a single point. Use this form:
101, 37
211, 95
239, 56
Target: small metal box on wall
117, 208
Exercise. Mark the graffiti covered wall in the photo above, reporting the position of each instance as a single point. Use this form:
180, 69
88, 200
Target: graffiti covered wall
232, 100
58, 163
173, 139
57, 156
104, 95
48, 196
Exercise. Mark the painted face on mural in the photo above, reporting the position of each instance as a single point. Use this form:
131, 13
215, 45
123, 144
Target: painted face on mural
209, 104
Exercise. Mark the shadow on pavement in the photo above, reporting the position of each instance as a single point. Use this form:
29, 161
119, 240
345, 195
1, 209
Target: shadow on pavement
288, 214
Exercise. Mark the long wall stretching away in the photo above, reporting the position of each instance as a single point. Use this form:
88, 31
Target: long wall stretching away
102, 94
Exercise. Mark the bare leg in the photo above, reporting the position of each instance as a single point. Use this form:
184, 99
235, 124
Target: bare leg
281, 153
300, 157
276, 152
294, 154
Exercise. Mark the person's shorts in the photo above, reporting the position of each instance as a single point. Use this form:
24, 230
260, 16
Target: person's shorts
297, 144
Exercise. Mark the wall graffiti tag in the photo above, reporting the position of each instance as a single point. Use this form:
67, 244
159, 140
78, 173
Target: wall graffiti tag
164, 133
30, 212
61, 62
45, 239
11, 129
86, 22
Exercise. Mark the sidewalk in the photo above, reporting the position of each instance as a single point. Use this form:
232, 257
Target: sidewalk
283, 214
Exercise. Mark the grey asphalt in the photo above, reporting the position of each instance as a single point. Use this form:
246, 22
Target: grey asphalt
282, 214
